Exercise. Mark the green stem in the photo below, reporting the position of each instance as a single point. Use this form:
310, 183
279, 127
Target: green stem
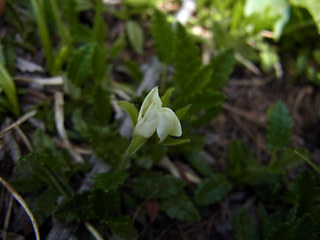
43, 31
123, 161
63, 31
56, 183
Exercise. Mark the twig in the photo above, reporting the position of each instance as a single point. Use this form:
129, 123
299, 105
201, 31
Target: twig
247, 63
246, 115
16, 195
24, 138
19, 122
7, 219
59, 119
54, 81
93, 231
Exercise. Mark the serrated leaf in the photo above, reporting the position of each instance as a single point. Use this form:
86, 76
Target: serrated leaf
103, 204
307, 193
305, 228
107, 144
269, 222
205, 100
99, 64
181, 208
80, 65
186, 56
122, 227
73, 208
279, 128
110, 180
222, 66
157, 185
45, 203
135, 35
243, 226
99, 32
162, 34
131, 110
212, 189
281, 232
101, 105
26, 183
136, 143
239, 159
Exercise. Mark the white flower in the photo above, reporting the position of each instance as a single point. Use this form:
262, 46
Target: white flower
153, 117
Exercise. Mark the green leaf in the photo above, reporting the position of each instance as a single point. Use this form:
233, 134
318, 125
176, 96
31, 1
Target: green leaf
222, 66
162, 34
279, 128
9, 88
80, 64
278, 10
199, 163
281, 232
182, 111
44, 205
2, 56
133, 70
131, 110
110, 180
166, 96
308, 194
103, 204
117, 47
122, 227
305, 228
73, 208
239, 159
181, 208
136, 143
27, 183
288, 159
135, 35
157, 186
212, 189
241, 162
269, 222
101, 105
243, 226
204, 100
186, 57
170, 141
99, 65
313, 6
99, 32
107, 144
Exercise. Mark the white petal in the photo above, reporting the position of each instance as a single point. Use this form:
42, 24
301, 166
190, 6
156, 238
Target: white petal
152, 97
147, 125
169, 124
